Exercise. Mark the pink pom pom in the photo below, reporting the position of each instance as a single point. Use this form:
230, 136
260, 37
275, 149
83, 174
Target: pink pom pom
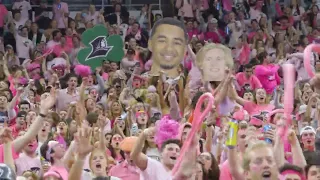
82, 70
166, 129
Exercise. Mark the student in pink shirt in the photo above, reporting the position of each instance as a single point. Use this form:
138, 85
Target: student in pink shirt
126, 170
21, 142
55, 153
62, 47
254, 108
246, 80
267, 73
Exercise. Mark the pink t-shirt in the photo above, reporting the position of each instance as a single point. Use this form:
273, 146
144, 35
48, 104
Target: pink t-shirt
62, 171
14, 153
24, 163
268, 76
3, 13
58, 49
255, 109
225, 171
253, 81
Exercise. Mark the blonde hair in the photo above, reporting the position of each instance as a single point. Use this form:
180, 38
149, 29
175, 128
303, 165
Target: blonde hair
252, 146
97, 150
204, 50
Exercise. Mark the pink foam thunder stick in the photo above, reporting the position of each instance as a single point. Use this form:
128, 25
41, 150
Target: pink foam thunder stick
196, 124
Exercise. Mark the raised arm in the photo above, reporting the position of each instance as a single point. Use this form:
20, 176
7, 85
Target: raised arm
45, 106
297, 154
140, 159
235, 167
234, 95
84, 147
6, 139
174, 106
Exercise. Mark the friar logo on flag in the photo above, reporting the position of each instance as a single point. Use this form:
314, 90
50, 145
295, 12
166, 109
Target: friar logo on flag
100, 48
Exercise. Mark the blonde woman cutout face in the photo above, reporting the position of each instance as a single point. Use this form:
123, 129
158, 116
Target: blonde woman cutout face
213, 60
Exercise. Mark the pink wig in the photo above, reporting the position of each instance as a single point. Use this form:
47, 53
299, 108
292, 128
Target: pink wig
166, 129
82, 70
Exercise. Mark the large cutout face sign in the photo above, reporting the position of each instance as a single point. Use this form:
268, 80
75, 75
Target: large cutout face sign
168, 47
213, 60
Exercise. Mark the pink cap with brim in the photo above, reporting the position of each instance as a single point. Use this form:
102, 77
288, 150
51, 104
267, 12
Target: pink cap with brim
51, 173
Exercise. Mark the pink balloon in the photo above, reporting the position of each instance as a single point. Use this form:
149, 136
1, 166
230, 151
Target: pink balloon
307, 54
196, 124
289, 75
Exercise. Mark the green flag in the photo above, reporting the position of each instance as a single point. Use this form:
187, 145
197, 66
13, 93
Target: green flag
100, 46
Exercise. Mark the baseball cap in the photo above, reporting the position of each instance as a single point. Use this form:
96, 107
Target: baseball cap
131, 51
22, 114
214, 21
302, 109
307, 129
9, 46
6, 173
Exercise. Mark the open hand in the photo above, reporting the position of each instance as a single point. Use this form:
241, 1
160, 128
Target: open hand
48, 102
84, 145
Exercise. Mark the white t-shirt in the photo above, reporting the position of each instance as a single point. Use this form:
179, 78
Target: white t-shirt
155, 171
23, 45
24, 6
20, 24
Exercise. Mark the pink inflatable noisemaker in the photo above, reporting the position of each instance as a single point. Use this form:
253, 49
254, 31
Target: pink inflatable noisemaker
289, 75
196, 125
307, 54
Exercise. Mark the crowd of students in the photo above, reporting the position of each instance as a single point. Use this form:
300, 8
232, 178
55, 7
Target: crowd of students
125, 122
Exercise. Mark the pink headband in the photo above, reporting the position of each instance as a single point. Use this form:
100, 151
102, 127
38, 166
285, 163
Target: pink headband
140, 112
286, 172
